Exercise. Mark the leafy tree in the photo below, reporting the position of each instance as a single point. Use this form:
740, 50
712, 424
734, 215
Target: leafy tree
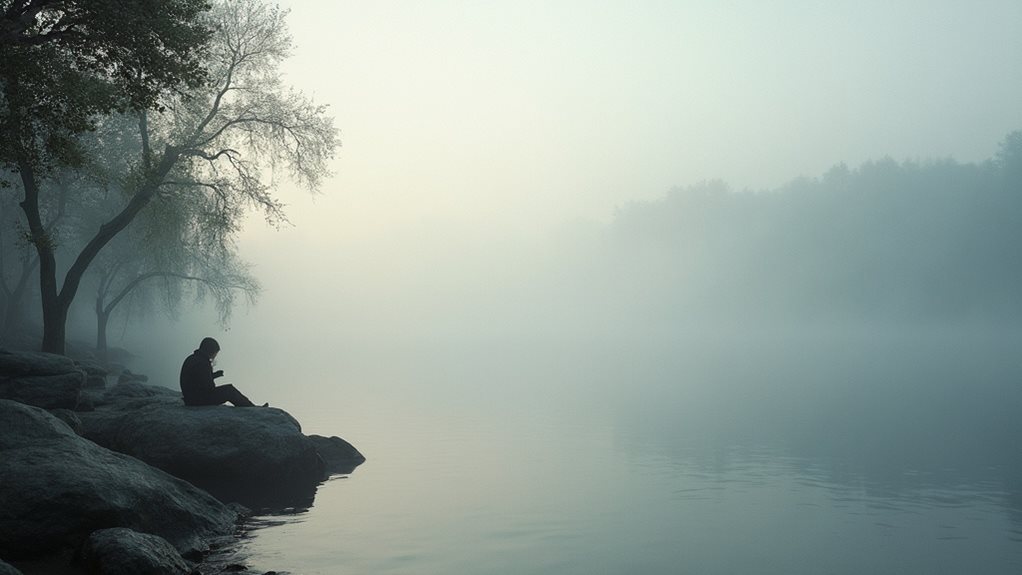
163, 254
140, 47
226, 137
63, 66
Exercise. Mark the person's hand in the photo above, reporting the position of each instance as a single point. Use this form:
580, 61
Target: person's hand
218, 373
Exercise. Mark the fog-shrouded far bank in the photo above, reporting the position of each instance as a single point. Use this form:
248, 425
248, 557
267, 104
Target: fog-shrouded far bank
891, 242
867, 317
885, 247
528, 112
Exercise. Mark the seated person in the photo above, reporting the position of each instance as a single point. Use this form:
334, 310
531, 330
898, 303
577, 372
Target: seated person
197, 377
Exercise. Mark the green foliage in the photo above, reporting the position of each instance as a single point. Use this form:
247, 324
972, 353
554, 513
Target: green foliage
66, 64
166, 134
140, 46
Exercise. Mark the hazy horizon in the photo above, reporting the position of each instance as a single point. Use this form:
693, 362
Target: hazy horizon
651, 286
479, 137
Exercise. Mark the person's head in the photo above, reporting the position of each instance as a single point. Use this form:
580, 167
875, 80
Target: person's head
209, 347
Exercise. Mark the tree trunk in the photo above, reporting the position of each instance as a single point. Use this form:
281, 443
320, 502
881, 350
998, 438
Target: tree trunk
54, 310
54, 327
56, 305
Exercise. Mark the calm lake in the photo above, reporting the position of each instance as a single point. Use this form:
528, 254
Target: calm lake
859, 453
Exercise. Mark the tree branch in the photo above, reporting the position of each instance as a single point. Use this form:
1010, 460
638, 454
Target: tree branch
112, 227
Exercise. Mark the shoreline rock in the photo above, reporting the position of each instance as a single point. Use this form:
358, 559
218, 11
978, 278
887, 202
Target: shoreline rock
235, 453
256, 456
122, 551
62, 482
339, 456
59, 488
40, 379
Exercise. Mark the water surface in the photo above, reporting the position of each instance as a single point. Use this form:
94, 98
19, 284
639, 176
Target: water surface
826, 455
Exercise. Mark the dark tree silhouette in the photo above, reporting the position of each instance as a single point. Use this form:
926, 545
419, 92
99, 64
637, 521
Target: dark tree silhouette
219, 136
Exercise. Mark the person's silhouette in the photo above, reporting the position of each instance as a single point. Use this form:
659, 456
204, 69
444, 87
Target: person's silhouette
197, 377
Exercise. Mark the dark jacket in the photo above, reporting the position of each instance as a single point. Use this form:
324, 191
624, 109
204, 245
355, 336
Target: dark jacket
197, 379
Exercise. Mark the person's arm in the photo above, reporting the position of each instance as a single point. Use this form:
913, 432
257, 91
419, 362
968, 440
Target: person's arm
204, 375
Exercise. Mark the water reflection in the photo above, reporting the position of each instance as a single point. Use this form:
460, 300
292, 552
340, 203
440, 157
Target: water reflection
841, 459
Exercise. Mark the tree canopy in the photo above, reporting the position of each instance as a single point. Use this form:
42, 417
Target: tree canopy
216, 125
64, 64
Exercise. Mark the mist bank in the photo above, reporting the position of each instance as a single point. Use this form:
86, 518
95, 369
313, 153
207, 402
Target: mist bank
899, 247
887, 242
892, 245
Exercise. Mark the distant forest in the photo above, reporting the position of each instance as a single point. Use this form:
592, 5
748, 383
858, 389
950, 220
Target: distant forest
901, 242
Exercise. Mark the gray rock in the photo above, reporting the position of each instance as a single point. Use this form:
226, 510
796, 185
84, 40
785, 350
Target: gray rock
121, 551
95, 372
128, 395
20, 363
53, 391
86, 402
70, 418
92, 368
57, 488
95, 381
238, 454
127, 376
6, 569
338, 455
134, 389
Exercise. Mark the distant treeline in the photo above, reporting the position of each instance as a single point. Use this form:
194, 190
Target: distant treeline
933, 241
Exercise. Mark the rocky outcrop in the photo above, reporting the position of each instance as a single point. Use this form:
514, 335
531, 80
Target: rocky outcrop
134, 394
127, 376
95, 374
121, 551
41, 379
57, 488
6, 569
21, 363
59, 482
339, 456
70, 418
58, 391
238, 454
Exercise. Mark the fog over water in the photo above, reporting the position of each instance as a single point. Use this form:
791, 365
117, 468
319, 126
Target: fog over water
579, 261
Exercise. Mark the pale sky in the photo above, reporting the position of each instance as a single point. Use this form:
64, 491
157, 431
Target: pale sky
526, 113
471, 130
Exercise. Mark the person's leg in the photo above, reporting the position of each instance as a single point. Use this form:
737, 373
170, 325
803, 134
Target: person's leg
230, 393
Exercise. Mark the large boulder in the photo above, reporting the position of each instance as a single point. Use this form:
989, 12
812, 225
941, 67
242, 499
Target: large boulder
127, 376
124, 392
126, 396
121, 551
6, 569
40, 379
18, 363
338, 455
95, 373
70, 418
238, 454
56, 488
46, 391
